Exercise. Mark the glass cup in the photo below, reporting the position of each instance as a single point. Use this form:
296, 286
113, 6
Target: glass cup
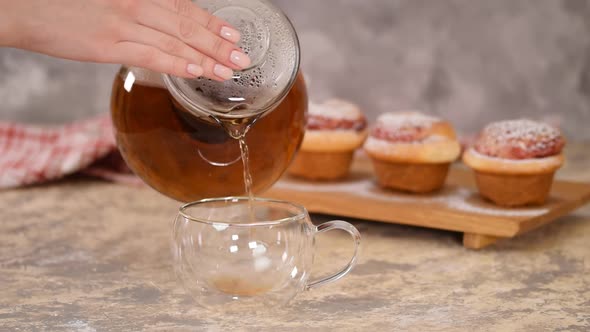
230, 253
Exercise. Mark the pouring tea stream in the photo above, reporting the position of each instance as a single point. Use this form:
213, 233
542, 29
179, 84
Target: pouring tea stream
185, 138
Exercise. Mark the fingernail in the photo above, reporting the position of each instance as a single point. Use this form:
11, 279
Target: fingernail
194, 70
223, 72
239, 59
230, 34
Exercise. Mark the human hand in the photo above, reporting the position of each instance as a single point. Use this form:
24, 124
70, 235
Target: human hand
168, 36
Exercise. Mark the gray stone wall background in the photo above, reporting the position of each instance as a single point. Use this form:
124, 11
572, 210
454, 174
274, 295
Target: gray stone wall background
470, 61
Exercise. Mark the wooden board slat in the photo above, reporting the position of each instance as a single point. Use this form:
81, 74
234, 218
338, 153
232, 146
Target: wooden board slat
457, 207
478, 241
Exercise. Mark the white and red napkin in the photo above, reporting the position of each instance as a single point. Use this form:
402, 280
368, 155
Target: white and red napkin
35, 154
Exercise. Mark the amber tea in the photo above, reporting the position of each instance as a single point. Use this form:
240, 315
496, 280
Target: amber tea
189, 158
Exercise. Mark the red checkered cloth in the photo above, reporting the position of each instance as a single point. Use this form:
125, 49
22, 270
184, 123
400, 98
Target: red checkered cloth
35, 154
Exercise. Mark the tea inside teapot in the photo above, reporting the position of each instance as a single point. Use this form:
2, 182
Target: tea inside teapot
187, 157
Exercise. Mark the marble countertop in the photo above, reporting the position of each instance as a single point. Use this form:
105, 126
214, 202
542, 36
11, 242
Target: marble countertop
82, 255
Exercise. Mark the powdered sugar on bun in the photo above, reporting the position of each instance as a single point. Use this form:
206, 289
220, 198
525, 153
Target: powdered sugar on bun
519, 139
405, 120
410, 127
334, 126
336, 109
335, 115
412, 137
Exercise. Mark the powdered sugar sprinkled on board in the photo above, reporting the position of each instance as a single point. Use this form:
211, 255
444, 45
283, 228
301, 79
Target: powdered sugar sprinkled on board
466, 200
456, 198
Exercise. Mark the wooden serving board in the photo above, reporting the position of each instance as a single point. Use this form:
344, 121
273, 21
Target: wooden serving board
457, 207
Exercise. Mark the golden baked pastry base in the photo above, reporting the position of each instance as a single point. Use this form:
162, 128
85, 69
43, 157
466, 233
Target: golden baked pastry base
457, 207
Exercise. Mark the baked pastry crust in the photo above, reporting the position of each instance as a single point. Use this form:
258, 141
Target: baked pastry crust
514, 189
416, 178
483, 163
321, 165
431, 151
333, 140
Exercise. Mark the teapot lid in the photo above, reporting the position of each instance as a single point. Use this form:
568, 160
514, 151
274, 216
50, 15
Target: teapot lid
269, 39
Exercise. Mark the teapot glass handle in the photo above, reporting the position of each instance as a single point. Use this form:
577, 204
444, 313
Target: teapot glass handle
356, 237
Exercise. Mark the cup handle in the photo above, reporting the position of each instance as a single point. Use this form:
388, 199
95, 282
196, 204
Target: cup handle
356, 237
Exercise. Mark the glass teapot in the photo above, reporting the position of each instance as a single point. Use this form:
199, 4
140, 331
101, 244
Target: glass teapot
172, 132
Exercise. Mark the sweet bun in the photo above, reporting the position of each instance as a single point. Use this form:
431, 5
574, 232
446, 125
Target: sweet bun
515, 161
412, 151
335, 130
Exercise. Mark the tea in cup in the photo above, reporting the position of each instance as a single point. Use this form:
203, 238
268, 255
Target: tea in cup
232, 253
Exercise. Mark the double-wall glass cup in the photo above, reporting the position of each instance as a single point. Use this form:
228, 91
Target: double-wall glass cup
232, 254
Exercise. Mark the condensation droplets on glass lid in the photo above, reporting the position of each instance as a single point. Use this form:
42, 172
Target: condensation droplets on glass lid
270, 41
